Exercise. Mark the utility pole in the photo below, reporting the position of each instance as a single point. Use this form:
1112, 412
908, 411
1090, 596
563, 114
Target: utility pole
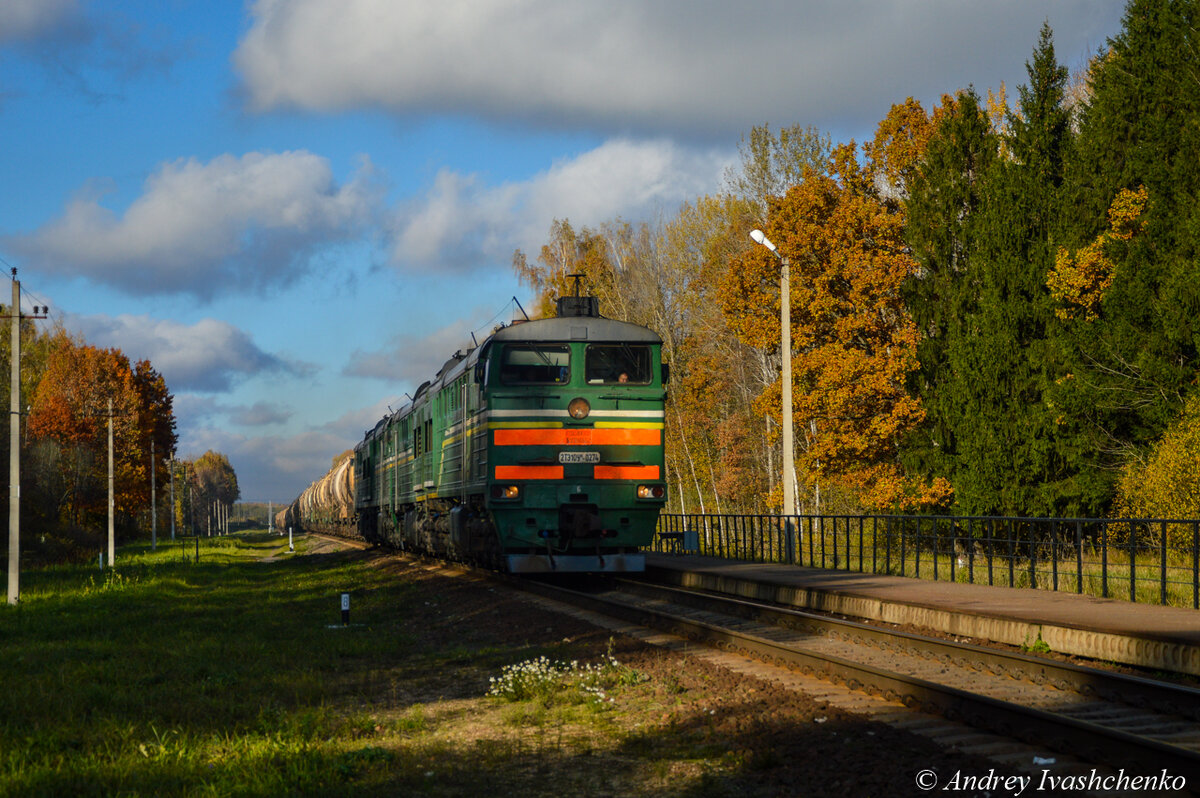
112, 541
153, 500
14, 451
14, 443
172, 497
191, 507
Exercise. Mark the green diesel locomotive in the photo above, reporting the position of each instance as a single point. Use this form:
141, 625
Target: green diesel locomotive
540, 450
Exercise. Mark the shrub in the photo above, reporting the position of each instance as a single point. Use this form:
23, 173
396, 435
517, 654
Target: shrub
1167, 483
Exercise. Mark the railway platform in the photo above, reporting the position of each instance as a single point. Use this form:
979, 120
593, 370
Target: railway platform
1142, 635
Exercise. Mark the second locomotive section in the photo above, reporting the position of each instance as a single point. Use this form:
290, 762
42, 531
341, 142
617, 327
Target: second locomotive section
541, 450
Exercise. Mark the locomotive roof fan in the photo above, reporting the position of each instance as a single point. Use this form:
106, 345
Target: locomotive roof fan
578, 305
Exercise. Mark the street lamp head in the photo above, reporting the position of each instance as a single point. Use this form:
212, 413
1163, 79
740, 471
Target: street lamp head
760, 238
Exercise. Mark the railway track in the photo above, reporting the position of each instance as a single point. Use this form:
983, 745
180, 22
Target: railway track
1086, 714
1101, 717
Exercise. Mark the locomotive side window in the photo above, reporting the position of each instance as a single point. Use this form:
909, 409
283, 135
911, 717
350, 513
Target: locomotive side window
535, 365
612, 364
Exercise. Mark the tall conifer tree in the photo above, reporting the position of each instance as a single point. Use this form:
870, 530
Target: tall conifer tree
942, 218
1133, 364
1000, 362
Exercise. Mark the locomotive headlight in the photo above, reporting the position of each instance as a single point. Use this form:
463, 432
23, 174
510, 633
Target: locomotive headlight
506, 491
579, 408
651, 491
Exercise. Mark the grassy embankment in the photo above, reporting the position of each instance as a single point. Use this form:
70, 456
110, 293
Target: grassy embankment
234, 676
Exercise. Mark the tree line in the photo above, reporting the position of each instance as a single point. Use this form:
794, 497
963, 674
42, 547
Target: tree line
994, 303
70, 392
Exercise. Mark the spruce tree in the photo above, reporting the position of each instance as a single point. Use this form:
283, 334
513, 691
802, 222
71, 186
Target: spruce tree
1001, 361
1131, 368
940, 229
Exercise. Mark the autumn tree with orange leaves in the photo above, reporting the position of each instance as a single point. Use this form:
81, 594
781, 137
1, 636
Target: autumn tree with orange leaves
854, 341
585, 252
68, 422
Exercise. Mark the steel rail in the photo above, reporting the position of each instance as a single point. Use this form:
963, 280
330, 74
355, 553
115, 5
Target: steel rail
1094, 742
1127, 689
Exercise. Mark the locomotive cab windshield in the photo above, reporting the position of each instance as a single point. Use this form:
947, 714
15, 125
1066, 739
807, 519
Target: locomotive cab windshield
535, 365
617, 363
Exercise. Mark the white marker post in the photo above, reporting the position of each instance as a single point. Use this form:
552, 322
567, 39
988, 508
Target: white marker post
345, 609
290, 546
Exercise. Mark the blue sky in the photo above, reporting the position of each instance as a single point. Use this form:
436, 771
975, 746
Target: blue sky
297, 210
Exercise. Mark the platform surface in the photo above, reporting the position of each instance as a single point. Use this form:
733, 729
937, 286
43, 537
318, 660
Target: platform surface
1146, 635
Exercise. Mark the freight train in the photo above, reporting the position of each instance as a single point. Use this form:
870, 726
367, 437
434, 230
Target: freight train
326, 505
540, 450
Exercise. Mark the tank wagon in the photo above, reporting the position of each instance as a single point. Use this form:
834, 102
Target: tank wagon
286, 518
326, 505
540, 450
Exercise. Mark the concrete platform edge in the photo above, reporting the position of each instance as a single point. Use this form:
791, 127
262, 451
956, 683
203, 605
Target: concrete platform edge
1125, 649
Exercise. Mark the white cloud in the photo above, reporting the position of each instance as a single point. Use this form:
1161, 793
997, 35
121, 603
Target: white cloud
689, 67
205, 229
462, 221
207, 356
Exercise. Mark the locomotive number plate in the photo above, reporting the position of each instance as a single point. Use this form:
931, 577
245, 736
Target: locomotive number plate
579, 457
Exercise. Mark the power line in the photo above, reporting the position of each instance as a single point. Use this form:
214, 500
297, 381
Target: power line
45, 304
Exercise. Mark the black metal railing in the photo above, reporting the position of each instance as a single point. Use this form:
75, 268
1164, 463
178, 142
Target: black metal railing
1146, 560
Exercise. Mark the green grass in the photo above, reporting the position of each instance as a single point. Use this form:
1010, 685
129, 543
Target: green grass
222, 677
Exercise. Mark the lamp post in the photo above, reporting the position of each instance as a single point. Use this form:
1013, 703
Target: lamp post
785, 336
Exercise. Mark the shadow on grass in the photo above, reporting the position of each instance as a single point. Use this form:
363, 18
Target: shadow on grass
687, 760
